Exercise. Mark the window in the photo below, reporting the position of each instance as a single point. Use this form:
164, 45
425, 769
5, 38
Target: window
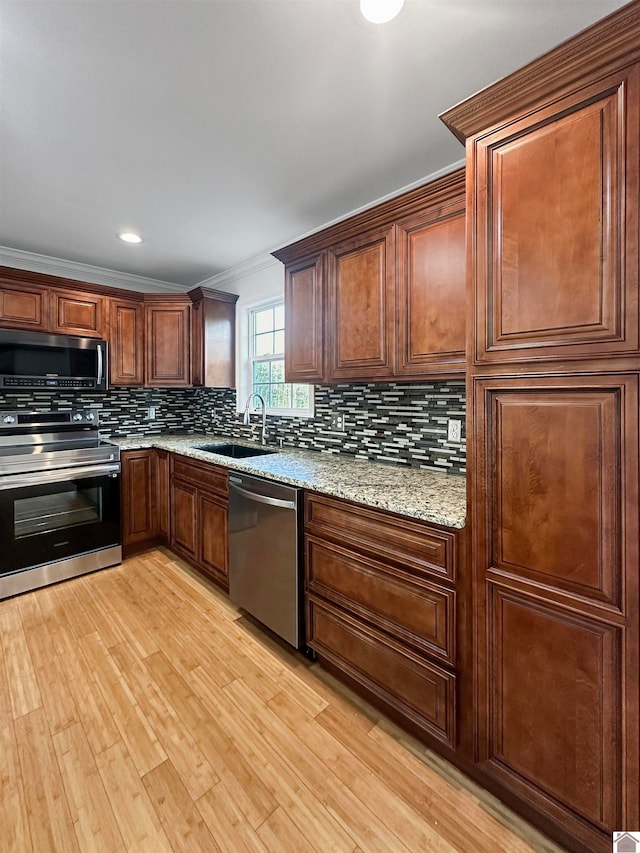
266, 361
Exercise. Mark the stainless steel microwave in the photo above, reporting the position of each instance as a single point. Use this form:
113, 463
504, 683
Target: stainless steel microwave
39, 360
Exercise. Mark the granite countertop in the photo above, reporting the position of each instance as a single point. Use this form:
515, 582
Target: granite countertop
439, 498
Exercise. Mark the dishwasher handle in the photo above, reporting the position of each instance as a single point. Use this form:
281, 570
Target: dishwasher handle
262, 499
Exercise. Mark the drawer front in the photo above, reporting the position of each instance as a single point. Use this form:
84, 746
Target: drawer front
422, 614
413, 545
422, 692
203, 475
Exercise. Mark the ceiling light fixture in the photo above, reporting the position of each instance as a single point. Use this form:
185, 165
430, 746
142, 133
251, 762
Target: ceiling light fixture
380, 11
129, 237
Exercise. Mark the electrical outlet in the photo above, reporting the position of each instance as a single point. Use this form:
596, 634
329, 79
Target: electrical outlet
151, 413
337, 421
454, 431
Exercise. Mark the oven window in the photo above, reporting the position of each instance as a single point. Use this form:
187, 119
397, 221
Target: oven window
71, 507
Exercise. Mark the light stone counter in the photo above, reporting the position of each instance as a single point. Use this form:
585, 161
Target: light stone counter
432, 496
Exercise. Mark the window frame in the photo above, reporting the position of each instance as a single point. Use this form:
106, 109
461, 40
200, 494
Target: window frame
250, 358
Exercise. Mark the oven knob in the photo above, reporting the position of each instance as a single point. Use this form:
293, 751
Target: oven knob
77, 417
89, 416
9, 419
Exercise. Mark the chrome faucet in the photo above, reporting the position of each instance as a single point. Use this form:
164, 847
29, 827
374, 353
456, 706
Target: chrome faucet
247, 421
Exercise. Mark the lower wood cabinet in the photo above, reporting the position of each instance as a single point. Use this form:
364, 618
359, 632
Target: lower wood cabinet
199, 515
382, 609
139, 504
163, 496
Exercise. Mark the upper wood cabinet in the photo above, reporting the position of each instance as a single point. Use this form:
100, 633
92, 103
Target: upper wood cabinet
24, 306
360, 327
430, 293
380, 295
304, 320
168, 342
77, 313
126, 339
213, 338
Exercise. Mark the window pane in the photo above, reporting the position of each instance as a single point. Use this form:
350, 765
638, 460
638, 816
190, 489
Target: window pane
281, 396
264, 344
260, 371
279, 342
278, 317
301, 396
265, 393
277, 371
263, 320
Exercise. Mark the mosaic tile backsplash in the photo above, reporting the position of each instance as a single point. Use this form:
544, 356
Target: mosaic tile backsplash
390, 422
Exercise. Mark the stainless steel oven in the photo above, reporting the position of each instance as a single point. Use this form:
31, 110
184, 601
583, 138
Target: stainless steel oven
59, 499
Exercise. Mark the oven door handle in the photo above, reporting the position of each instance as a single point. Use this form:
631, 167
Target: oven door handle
59, 475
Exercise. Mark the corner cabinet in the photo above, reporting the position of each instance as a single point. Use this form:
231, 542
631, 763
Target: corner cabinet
213, 338
553, 433
381, 295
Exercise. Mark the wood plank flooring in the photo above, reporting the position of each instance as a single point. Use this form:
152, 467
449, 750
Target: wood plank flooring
139, 711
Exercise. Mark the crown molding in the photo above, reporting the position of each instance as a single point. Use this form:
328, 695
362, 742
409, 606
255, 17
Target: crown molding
605, 45
84, 272
246, 268
433, 176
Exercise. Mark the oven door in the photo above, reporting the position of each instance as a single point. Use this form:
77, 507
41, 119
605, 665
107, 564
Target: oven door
51, 516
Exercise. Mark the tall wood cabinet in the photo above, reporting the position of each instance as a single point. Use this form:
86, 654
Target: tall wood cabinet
552, 173
380, 295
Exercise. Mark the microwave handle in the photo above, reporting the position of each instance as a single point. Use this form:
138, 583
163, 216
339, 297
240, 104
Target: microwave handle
99, 380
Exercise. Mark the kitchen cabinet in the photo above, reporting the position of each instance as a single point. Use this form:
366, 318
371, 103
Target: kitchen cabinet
360, 328
430, 292
139, 503
381, 295
76, 313
24, 306
199, 516
213, 338
163, 495
381, 594
126, 342
304, 320
553, 376
168, 338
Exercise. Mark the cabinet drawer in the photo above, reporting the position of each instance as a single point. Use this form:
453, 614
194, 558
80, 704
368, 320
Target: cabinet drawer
413, 545
422, 614
203, 475
422, 692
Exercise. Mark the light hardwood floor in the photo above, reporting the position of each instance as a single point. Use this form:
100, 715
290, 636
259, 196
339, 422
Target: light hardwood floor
139, 711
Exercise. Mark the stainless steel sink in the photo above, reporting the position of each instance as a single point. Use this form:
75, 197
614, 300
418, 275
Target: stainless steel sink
235, 451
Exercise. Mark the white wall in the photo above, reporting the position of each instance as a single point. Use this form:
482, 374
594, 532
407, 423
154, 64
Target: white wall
257, 280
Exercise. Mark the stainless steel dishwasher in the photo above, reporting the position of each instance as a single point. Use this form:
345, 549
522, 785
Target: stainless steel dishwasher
265, 566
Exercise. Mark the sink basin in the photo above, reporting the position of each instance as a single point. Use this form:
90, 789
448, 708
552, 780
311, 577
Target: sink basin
235, 451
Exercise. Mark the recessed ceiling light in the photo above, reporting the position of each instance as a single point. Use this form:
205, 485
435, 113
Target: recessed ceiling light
129, 237
380, 11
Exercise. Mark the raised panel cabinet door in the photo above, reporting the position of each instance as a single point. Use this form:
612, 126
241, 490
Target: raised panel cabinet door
431, 296
304, 320
24, 307
360, 322
138, 496
184, 527
76, 313
555, 564
126, 342
167, 344
555, 236
214, 536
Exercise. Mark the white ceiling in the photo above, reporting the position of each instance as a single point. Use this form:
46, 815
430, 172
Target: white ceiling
220, 129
